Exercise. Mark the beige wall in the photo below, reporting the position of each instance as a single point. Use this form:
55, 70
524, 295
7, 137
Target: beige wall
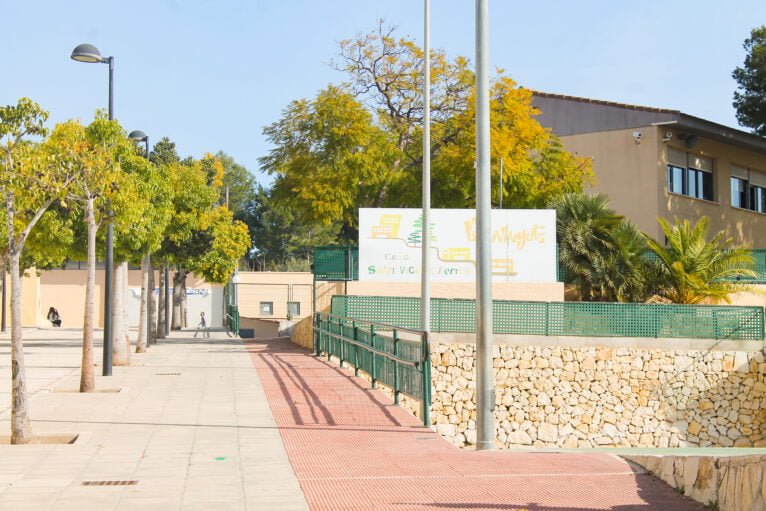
746, 227
545, 292
629, 173
277, 288
634, 176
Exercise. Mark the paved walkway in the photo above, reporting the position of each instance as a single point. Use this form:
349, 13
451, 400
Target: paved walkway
352, 449
214, 424
190, 426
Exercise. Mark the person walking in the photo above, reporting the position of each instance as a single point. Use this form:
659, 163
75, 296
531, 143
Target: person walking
202, 326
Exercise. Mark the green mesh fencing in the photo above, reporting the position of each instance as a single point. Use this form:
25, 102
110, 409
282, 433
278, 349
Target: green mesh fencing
564, 318
336, 263
377, 349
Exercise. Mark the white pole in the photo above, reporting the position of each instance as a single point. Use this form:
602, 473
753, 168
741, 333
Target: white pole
485, 393
425, 277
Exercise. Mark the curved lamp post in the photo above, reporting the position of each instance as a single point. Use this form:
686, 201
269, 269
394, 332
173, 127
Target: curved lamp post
89, 54
140, 136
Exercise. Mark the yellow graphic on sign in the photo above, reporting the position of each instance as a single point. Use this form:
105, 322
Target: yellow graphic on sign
388, 226
502, 267
456, 254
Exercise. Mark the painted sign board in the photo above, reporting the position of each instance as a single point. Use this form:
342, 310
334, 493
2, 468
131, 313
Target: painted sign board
523, 245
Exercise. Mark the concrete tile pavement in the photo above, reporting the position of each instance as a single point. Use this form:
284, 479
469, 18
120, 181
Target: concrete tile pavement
190, 425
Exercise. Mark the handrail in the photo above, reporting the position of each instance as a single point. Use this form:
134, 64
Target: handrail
375, 323
407, 376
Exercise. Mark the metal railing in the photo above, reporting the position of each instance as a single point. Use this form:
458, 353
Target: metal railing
232, 315
595, 319
377, 349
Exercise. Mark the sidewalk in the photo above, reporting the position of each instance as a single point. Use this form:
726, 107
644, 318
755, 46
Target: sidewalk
351, 448
190, 426
216, 424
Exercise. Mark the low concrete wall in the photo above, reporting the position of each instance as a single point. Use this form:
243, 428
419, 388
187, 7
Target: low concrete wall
604, 395
732, 483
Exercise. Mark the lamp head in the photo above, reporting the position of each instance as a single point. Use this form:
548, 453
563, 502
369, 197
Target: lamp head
137, 135
86, 53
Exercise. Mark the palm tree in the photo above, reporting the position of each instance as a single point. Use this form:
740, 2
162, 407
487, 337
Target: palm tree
697, 270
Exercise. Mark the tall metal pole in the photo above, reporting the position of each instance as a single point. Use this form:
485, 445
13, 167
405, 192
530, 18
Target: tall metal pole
425, 276
4, 326
167, 299
485, 392
108, 271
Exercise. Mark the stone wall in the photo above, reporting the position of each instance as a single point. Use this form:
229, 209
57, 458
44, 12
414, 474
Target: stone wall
726, 483
588, 396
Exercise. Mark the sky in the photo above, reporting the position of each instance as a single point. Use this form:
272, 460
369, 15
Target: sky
211, 74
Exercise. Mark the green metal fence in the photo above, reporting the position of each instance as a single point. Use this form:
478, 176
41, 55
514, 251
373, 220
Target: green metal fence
564, 318
336, 263
377, 349
342, 263
232, 314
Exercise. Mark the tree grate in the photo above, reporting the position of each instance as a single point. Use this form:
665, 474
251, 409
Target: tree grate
109, 483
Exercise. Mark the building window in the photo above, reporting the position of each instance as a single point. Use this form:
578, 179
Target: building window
700, 184
267, 308
739, 192
747, 196
690, 174
676, 179
293, 309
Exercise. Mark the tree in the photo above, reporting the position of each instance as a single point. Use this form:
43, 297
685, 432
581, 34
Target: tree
360, 144
284, 242
603, 254
32, 178
94, 151
750, 103
695, 269
238, 185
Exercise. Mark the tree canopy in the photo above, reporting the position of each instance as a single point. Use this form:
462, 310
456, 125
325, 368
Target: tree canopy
750, 99
359, 144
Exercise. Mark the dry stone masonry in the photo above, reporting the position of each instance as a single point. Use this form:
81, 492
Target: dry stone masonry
600, 397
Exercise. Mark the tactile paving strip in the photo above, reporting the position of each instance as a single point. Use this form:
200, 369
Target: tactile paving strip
351, 448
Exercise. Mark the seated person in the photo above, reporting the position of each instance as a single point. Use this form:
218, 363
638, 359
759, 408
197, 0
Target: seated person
53, 317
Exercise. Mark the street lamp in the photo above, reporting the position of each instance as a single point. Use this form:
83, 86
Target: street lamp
140, 136
89, 54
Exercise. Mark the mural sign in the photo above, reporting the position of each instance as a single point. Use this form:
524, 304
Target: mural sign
523, 245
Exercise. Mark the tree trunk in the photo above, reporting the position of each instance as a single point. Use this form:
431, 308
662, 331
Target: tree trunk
151, 307
161, 305
87, 379
179, 278
125, 304
143, 317
21, 429
120, 352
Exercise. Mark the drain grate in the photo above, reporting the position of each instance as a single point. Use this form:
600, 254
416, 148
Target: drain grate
168, 374
109, 483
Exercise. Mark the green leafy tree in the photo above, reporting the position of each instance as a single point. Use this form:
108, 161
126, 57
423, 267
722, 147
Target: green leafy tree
360, 144
239, 183
283, 241
32, 178
695, 269
750, 99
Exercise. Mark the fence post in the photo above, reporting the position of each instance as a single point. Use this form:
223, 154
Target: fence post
356, 349
372, 355
330, 339
715, 324
396, 367
316, 334
426, 369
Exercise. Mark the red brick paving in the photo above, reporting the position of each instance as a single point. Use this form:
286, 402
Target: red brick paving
351, 448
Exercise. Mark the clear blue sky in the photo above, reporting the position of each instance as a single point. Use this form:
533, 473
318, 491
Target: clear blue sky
211, 74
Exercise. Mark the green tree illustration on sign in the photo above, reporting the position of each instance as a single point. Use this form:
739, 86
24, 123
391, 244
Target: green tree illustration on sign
416, 236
